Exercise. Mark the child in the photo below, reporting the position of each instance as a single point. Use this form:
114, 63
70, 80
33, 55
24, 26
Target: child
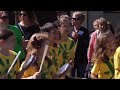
66, 44
93, 37
35, 47
49, 68
103, 57
52, 60
7, 55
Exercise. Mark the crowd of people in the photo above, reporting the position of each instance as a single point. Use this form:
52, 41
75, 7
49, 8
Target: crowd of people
58, 50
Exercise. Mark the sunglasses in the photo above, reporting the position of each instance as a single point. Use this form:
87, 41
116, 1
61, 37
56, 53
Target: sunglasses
4, 17
23, 14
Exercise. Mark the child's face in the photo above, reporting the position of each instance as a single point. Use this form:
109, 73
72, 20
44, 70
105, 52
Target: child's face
102, 27
95, 25
10, 42
65, 29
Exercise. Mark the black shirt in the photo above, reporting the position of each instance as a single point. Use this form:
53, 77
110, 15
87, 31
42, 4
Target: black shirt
82, 46
27, 32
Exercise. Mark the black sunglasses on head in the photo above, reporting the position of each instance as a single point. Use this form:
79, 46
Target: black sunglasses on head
23, 14
4, 17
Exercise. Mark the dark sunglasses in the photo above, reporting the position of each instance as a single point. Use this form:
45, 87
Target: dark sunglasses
75, 19
4, 17
23, 14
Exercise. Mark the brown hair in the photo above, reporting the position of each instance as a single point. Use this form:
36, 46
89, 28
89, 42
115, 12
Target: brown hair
35, 41
31, 15
63, 20
103, 21
101, 48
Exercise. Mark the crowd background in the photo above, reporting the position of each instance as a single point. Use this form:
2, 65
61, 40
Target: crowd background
72, 50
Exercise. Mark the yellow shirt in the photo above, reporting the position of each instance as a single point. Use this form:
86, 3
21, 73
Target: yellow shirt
30, 71
5, 63
66, 53
49, 66
58, 56
102, 70
117, 63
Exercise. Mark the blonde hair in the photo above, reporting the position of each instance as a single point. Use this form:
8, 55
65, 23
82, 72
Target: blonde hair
79, 15
96, 21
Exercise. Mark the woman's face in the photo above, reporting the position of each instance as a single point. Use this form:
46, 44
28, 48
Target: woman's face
3, 20
23, 16
75, 21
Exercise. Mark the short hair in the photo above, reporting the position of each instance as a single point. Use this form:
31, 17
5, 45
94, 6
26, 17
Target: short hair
48, 26
79, 15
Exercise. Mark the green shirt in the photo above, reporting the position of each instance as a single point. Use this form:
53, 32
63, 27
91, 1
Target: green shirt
18, 45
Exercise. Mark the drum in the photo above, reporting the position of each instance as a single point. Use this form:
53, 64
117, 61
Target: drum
63, 71
29, 62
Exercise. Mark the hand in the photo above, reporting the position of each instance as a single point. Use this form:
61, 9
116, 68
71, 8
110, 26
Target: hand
74, 35
37, 75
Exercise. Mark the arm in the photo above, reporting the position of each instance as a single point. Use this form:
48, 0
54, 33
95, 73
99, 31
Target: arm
91, 48
35, 76
93, 76
94, 71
